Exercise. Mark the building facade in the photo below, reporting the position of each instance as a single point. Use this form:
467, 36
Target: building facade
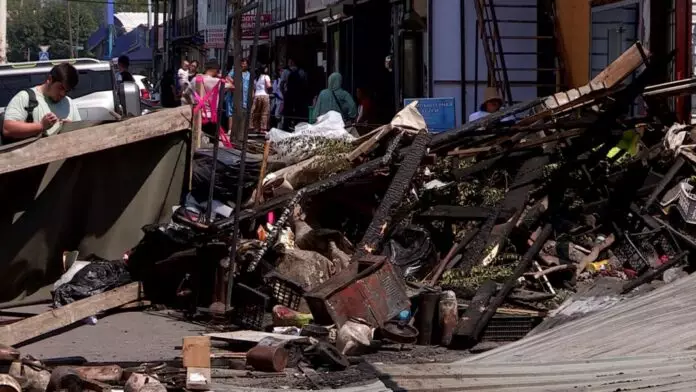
588, 36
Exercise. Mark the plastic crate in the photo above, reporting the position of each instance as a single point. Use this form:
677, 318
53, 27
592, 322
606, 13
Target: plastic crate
284, 291
249, 308
635, 248
687, 202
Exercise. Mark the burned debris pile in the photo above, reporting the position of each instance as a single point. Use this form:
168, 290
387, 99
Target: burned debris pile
347, 244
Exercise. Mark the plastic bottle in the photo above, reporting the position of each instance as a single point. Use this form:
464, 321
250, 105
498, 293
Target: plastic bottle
448, 316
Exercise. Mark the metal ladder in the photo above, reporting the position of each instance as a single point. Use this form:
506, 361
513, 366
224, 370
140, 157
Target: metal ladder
549, 71
493, 47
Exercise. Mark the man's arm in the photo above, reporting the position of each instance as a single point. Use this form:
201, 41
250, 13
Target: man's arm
15, 125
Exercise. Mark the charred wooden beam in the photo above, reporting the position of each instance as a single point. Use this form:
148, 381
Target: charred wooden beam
678, 163
462, 213
516, 198
522, 267
474, 254
467, 324
446, 263
363, 170
399, 186
483, 123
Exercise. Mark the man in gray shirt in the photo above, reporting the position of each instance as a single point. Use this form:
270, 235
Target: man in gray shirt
53, 107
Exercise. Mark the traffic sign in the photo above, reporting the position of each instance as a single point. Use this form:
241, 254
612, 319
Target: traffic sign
43, 56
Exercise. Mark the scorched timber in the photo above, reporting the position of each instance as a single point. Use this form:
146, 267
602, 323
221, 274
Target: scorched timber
509, 285
335, 180
467, 324
488, 121
394, 195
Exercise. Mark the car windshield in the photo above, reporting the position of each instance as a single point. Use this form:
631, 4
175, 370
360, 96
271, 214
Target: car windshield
90, 82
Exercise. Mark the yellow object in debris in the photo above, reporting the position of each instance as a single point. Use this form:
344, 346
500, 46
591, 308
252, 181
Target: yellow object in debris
628, 143
598, 266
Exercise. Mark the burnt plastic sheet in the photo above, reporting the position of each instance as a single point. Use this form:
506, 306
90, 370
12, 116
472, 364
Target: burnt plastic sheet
96, 277
411, 249
226, 176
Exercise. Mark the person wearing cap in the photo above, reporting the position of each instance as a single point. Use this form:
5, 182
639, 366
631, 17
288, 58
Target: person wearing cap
492, 102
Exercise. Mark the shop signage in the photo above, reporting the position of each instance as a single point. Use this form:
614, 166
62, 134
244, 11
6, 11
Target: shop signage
439, 113
215, 35
318, 5
248, 23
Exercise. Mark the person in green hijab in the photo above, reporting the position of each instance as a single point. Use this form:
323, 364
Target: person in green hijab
337, 99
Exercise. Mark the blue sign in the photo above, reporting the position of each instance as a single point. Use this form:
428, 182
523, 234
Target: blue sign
439, 113
43, 56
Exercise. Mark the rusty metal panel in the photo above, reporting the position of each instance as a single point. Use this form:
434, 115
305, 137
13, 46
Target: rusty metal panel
371, 290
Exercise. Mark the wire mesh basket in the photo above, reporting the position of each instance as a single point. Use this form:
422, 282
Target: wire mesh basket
249, 307
284, 291
637, 249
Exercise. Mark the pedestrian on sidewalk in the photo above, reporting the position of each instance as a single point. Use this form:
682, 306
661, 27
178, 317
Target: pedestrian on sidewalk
229, 96
335, 98
124, 74
168, 91
295, 86
276, 99
193, 70
44, 108
261, 106
182, 80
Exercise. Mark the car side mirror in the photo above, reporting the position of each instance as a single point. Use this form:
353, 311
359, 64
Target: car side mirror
129, 95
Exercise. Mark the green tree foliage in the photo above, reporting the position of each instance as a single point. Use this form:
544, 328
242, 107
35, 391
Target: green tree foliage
131, 6
34, 22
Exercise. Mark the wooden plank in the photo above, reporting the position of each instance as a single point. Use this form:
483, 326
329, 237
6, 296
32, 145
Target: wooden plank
620, 68
93, 139
54, 319
196, 351
198, 379
367, 145
251, 336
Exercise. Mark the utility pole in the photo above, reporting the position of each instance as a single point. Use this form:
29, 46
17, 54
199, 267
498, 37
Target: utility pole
239, 112
149, 23
155, 49
3, 31
72, 46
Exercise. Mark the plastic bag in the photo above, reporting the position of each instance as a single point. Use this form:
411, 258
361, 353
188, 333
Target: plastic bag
412, 250
292, 147
96, 277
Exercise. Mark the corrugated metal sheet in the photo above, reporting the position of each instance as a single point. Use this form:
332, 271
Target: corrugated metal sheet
374, 387
662, 321
131, 20
666, 372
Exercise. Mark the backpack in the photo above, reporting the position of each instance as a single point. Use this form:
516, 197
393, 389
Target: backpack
31, 105
208, 105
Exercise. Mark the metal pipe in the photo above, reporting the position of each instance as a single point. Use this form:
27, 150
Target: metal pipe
221, 103
683, 86
242, 165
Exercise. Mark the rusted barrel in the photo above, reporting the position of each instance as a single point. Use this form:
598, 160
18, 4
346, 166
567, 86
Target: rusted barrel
267, 358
